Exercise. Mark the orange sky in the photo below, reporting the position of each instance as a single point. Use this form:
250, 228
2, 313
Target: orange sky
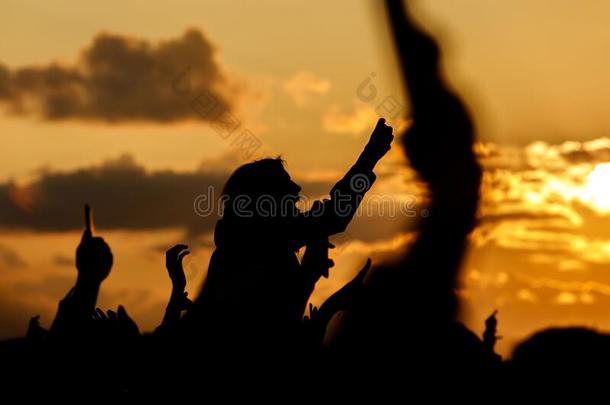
534, 74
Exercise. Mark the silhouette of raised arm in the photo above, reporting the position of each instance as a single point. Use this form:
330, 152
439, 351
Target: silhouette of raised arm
178, 300
439, 147
409, 305
345, 197
490, 336
93, 262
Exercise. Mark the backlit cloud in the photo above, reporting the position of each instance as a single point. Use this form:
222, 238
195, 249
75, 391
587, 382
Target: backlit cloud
351, 122
304, 86
119, 78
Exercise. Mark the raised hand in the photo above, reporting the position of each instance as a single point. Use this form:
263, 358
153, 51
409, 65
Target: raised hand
93, 262
178, 300
313, 314
489, 335
380, 142
128, 325
93, 255
115, 324
35, 331
173, 263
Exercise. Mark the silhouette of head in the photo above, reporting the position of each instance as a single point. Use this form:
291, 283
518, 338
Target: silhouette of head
261, 189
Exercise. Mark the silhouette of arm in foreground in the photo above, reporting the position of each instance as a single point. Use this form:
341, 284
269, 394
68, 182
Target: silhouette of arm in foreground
439, 148
420, 285
35, 332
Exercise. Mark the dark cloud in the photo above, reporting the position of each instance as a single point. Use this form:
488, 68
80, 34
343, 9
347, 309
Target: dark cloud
125, 79
124, 195
52, 287
518, 216
10, 259
597, 155
61, 260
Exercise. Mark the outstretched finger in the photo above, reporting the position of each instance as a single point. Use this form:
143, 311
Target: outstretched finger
88, 233
121, 312
112, 315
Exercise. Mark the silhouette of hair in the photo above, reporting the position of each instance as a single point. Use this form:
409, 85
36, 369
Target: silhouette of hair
264, 177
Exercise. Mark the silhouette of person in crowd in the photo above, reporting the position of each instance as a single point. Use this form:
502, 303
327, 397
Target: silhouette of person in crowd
255, 262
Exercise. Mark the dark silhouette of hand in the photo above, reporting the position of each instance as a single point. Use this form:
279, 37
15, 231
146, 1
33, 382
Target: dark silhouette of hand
178, 300
35, 331
381, 139
126, 324
93, 255
491, 326
313, 314
93, 259
491, 322
315, 260
93, 262
173, 263
116, 324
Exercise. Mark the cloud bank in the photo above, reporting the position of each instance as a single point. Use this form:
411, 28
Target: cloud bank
118, 79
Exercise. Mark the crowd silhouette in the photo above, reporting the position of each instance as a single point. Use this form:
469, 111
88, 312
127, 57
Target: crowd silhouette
245, 334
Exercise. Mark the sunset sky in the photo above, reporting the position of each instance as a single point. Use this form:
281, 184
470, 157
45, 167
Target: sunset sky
95, 108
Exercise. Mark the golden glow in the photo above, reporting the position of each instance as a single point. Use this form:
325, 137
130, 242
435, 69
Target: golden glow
597, 187
533, 73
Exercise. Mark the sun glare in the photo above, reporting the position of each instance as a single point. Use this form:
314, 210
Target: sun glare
597, 187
